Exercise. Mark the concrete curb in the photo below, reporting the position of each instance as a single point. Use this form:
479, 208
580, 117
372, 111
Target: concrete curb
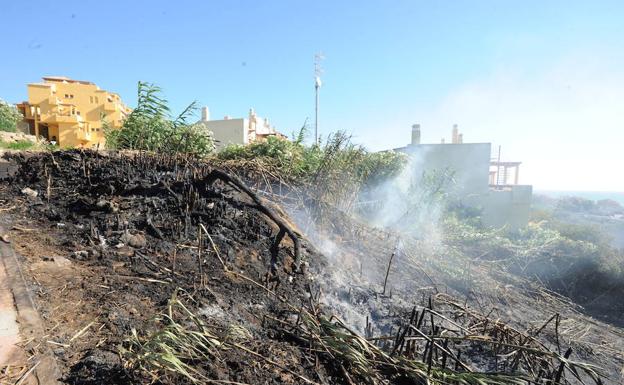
30, 324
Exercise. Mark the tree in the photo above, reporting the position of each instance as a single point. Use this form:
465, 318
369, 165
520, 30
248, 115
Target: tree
9, 116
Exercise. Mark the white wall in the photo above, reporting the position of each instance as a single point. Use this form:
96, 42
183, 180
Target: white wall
510, 207
227, 131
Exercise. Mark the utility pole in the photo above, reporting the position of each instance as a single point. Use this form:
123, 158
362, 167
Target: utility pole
317, 85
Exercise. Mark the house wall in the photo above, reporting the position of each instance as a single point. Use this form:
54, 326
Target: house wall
228, 131
508, 207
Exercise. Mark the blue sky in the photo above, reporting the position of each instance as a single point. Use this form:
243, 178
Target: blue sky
543, 79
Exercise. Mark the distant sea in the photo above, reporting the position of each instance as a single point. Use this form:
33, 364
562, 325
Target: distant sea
591, 195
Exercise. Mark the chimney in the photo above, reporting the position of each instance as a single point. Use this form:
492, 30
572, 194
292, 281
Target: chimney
415, 134
455, 136
460, 138
205, 114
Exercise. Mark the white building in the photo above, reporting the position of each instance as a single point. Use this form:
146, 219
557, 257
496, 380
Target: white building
481, 181
242, 131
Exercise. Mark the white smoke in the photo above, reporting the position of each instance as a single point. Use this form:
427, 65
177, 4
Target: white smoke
391, 211
410, 203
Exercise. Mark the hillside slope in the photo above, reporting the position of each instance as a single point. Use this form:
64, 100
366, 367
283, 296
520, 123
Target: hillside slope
161, 269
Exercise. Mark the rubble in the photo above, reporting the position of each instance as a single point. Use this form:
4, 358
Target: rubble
13, 137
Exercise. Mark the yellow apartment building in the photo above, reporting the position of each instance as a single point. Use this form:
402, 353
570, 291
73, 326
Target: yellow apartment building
71, 112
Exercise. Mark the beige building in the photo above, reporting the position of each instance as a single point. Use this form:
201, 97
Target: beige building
71, 112
242, 131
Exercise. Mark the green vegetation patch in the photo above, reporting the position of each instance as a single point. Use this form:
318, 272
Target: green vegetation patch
334, 171
19, 145
9, 117
150, 127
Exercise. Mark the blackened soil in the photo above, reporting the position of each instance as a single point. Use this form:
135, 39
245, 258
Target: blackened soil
98, 367
130, 226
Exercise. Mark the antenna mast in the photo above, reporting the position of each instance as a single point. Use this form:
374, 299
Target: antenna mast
317, 85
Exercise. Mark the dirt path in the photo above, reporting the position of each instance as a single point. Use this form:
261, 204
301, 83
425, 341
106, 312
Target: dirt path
10, 351
20, 327
14, 363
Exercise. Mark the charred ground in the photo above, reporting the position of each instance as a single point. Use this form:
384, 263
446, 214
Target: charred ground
110, 239
131, 226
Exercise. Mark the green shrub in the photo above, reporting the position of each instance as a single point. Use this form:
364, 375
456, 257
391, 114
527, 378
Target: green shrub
579, 232
9, 117
574, 260
19, 145
150, 128
381, 166
333, 172
575, 204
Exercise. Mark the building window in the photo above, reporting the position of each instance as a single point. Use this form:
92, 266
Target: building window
96, 100
91, 99
77, 112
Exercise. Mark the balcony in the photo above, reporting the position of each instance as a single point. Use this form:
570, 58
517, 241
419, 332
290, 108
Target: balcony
83, 134
61, 113
60, 117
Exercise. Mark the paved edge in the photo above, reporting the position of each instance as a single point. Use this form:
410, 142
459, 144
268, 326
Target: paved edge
30, 324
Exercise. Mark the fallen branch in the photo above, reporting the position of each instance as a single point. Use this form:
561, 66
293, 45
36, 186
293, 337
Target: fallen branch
283, 226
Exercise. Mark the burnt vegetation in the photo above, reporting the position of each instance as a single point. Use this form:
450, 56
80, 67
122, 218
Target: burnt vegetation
198, 275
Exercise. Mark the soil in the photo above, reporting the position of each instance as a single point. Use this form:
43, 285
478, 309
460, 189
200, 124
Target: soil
107, 241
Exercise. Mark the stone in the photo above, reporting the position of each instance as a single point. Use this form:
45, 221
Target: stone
81, 254
134, 240
29, 192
